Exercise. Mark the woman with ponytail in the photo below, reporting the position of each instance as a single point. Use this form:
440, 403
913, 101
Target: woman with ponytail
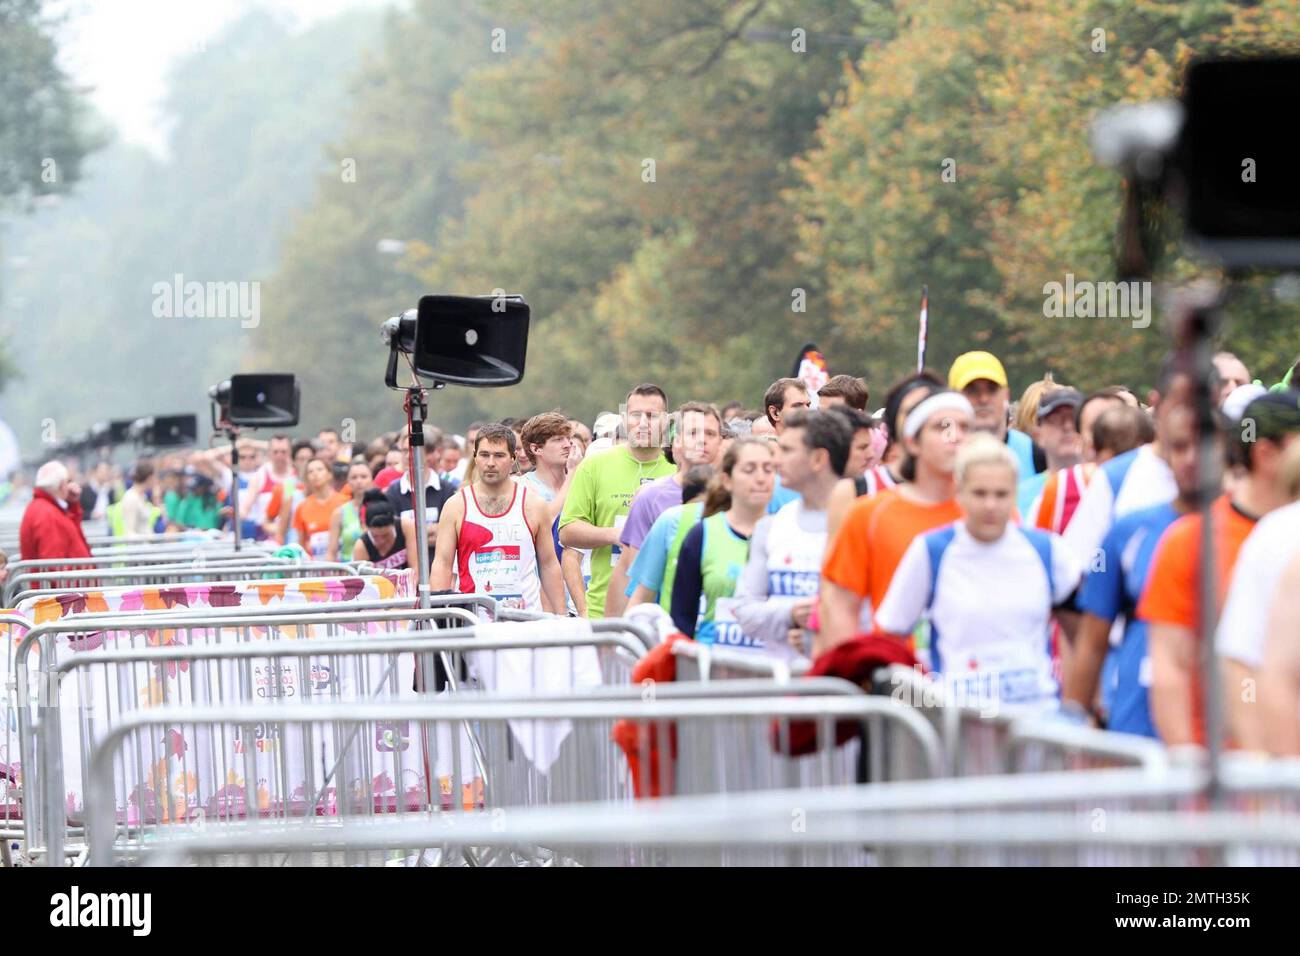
382, 543
714, 552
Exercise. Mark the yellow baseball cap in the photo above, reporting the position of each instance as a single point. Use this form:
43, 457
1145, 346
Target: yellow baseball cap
970, 366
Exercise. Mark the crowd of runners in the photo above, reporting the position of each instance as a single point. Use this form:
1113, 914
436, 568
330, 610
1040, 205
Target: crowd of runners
1041, 553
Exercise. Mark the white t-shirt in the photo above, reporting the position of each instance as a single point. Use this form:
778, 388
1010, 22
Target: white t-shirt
990, 611
1148, 482
785, 562
1264, 555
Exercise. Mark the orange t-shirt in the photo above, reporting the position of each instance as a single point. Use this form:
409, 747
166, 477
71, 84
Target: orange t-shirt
312, 521
874, 536
1172, 590
273, 504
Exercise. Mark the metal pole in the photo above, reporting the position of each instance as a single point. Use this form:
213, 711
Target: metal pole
1210, 482
1196, 334
234, 481
56, 814
415, 421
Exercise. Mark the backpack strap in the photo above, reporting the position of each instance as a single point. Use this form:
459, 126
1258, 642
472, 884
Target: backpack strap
1041, 541
860, 485
936, 543
1116, 471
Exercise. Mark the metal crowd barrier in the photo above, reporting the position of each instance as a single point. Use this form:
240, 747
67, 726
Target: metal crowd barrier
85, 625
976, 741
537, 752
814, 687
130, 671
101, 627
101, 542
22, 572
128, 556
157, 543
991, 740
706, 662
1101, 817
141, 547
107, 541
48, 583
179, 627
310, 671
147, 556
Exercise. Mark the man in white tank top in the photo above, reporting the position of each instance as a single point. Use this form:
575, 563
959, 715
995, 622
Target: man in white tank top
494, 537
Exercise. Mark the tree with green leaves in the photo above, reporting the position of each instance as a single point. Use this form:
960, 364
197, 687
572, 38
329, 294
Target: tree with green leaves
960, 158
633, 167
389, 187
250, 115
43, 134
43, 129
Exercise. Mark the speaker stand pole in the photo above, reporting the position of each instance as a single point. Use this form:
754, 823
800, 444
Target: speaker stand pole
233, 434
417, 410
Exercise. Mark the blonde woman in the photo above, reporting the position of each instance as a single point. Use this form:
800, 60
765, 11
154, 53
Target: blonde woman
987, 587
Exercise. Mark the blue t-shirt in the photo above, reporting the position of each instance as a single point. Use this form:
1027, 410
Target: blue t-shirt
1113, 589
781, 496
1026, 492
1022, 446
648, 566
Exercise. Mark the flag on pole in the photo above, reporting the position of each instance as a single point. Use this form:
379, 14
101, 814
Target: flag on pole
810, 368
924, 330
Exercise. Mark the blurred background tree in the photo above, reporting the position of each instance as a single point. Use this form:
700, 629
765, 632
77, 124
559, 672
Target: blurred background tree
249, 116
44, 134
686, 192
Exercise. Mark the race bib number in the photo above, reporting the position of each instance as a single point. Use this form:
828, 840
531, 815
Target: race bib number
496, 571
1024, 685
724, 628
1006, 674
793, 583
319, 545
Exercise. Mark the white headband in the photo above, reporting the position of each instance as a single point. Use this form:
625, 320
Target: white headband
938, 402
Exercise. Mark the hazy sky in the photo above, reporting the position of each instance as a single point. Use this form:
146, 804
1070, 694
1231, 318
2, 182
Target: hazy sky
122, 48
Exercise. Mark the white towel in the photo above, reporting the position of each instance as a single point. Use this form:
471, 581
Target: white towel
656, 617
525, 672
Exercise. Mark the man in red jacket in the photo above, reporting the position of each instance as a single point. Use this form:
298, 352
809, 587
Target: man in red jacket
51, 526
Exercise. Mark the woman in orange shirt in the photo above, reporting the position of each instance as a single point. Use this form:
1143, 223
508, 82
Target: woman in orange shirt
877, 530
312, 519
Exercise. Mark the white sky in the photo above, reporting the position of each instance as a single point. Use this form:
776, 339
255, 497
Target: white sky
123, 48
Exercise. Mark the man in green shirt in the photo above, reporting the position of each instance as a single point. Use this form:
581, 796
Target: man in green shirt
601, 492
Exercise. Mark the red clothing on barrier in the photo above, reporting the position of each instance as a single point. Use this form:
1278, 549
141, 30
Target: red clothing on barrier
854, 660
49, 531
659, 666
